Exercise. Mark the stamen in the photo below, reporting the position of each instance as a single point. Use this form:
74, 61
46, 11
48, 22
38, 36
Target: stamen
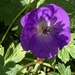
46, 30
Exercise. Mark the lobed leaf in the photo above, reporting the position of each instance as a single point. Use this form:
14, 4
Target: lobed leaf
68, 50
64, 70
16, 55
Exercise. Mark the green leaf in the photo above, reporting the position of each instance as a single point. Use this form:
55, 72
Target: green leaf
1, 65
61, 68
51, 61
12, 70
16, 27
17, 54
71, 50
1, 50
68, 50
39, 3
25, 2
7, 8
53, 73
1, 61
9, 65
41, 74
2, 71
9, 51
63, 55
72, 38
64, 70
72, 26
68, 71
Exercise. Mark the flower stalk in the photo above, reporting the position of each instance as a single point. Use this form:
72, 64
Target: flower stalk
38, 62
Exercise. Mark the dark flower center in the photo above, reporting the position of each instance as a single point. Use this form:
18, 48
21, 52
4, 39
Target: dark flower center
43, 28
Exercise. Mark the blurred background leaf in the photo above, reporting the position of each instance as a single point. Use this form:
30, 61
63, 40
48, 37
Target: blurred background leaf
10, 8
40, 2
53, 73
1, 65
25, 2
1, 61
1, 50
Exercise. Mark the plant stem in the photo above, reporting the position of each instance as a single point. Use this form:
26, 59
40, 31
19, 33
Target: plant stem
38, 62
29, 59
46, 64
29, 64
36, 68
12, 23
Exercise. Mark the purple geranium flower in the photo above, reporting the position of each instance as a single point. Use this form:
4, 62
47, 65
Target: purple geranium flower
45, 30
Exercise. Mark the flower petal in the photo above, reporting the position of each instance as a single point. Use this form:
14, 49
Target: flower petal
28, 31
36, 15
25, 42
61, 16
24, 19
63, 38
44, 46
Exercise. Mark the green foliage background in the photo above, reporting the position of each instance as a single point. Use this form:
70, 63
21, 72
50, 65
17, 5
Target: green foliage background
13, 59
